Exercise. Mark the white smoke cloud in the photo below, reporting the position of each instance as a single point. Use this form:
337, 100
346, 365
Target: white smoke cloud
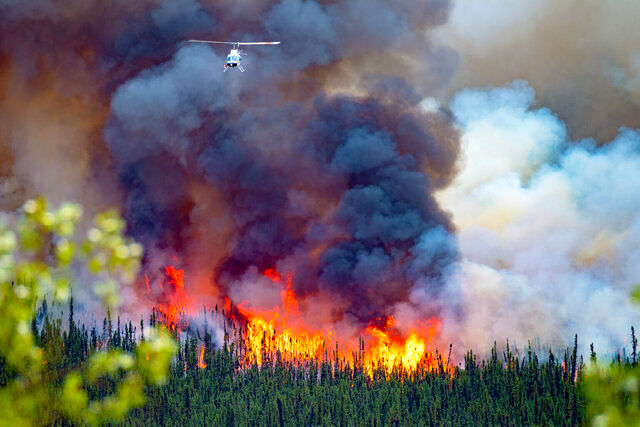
549, 231
581, 56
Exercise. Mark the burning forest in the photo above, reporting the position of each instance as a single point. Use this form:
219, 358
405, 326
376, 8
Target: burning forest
280, 331
394, 184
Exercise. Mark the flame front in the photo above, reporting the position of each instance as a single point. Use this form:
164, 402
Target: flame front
271, 332
268, 332
264, 337
280, 331
389, 353
174, 302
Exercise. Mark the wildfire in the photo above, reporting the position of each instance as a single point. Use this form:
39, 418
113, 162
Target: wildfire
288, 295
175, 302
390, 354
201, 363
268, 333
262, 337
281, 330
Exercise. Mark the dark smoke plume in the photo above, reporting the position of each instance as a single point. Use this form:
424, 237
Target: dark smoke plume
330, 159
320, 158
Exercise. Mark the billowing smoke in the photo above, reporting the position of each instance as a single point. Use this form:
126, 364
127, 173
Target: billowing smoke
229, 174
352, 215
580, 56
548, 229
331, 161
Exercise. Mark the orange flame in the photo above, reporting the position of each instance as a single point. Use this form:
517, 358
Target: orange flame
267, 333
201, 363
176, 303
390, 354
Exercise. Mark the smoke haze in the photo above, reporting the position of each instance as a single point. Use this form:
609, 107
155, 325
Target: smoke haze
547, 228
356, 156
581, 57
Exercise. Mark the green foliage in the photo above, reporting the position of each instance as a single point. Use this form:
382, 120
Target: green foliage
613, 390
44, 383
614, 395
504, 389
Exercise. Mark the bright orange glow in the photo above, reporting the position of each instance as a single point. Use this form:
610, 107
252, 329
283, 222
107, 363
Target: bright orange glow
289, 300
266, 333
201, 363
272, 274
269, 332
175, 304
262, 338
388, 351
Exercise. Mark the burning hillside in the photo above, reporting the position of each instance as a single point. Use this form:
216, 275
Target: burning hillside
280, 331
331, 183
331, 192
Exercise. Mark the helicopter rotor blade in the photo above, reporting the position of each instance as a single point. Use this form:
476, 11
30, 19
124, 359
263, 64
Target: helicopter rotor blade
210, 41
256, 43
232, 43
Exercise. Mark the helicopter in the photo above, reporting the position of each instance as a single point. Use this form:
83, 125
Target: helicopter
235, 54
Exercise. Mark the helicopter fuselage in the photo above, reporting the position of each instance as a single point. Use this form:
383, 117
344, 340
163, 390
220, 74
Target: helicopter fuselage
233, 58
